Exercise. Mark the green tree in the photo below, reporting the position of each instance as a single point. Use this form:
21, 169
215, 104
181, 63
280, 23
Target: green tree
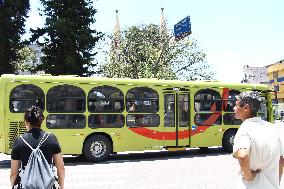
26, 60
144, 53
189, 61
136, 57
13, 15
68, 40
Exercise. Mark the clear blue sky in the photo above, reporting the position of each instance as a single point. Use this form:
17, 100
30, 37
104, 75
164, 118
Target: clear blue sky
232, 33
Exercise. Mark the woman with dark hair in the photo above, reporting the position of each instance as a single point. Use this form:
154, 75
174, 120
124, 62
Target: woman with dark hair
21, 152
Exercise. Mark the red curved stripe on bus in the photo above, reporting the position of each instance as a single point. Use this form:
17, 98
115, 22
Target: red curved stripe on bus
159, 135
167, 135
172, 135
149, 133
225, 95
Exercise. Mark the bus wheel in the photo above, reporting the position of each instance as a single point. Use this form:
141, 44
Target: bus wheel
97, 148
203, 149
228, 140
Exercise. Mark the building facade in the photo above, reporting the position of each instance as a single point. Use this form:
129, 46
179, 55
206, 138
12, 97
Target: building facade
255, 75
276, 81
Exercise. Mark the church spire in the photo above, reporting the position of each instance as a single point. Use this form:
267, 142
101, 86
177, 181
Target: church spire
116, 34
163, 27
117, 25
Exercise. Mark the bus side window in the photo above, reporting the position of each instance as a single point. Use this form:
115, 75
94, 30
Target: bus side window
229, 103
229, 119
105, 99
208, 105
142, 106
106, 121
66, 98
24, 96
145, 99
207, 100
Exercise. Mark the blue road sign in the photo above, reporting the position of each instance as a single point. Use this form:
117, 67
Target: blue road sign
182, 28
1, 2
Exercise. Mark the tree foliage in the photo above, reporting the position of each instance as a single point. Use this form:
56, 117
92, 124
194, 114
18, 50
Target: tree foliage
190, 62
68, 40
144, 53
12, 21
26, 60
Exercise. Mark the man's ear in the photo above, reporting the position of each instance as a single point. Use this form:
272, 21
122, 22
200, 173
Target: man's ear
246, 106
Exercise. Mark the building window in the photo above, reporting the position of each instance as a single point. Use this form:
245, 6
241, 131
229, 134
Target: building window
276, 88
275, 75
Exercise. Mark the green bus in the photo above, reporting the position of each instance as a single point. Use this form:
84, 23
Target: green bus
96, 117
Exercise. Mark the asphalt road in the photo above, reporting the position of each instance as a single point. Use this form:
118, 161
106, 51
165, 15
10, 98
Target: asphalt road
149, 170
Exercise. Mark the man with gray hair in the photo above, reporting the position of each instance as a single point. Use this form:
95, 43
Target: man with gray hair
257, 146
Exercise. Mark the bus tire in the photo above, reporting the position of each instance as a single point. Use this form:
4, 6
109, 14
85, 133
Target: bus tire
203, 149
228, 140
97, 148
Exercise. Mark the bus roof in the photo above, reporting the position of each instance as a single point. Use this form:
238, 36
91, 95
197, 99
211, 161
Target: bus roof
47, 78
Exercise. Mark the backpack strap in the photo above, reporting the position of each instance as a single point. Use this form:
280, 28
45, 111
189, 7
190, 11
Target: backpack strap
26, 142
43, 139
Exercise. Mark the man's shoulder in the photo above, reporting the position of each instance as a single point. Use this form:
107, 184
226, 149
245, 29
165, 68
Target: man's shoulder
254, 125
256, 121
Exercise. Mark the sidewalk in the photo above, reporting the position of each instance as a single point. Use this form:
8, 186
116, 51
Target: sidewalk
4, 157
4, 172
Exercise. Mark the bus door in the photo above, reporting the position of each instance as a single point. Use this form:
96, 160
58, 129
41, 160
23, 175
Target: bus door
176, 119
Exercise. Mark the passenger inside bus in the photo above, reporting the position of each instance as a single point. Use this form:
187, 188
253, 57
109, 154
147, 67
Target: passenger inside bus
138, 118
106, 121
132, 107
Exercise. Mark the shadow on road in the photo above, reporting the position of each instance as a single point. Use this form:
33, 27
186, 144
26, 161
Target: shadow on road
148, 156
5, 164
136, 157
